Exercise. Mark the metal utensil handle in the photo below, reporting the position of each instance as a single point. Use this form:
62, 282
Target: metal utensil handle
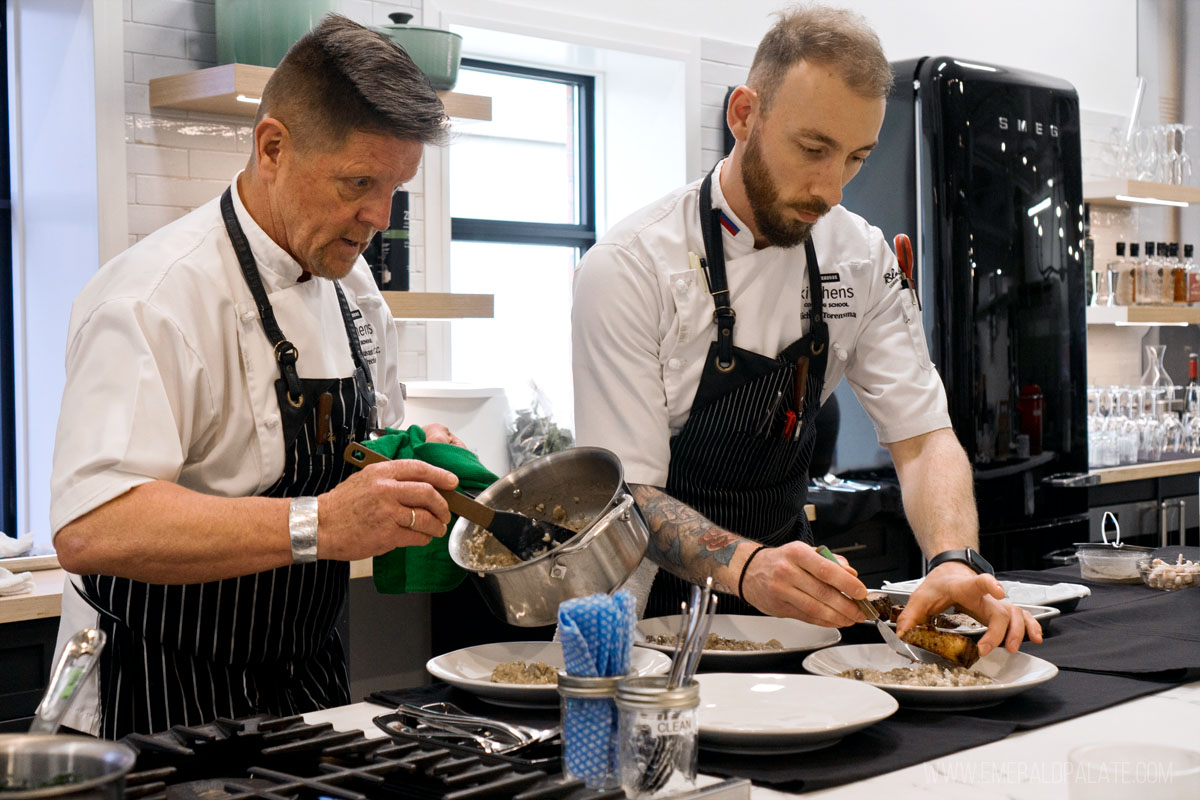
437, 718
705, 626
1104, 528
693, 620
79, 657
574, 546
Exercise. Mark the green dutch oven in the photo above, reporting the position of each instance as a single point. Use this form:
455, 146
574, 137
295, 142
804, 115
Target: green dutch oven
435, 52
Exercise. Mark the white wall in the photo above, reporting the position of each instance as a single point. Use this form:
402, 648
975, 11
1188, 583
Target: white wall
1088, 42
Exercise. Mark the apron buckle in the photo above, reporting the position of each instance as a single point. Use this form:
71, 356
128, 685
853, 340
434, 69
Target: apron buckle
286, 352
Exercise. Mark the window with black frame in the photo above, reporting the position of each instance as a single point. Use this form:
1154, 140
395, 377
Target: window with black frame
8, 448
522, 206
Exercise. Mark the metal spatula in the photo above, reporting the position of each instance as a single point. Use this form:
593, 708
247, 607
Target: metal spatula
526, 537
909, 651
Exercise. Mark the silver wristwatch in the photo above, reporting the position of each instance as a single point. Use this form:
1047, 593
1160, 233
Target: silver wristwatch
302, 525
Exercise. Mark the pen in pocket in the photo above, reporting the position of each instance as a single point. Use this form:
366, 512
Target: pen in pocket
764, 423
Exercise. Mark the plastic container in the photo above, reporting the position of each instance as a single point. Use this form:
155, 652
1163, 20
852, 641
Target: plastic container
1114, 562
1106, 563
1169, 576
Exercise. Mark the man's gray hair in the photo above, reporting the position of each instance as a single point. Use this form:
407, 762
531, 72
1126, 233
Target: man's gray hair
824, 35
342, 77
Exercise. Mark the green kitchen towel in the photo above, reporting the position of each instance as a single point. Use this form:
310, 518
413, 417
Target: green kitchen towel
427, 568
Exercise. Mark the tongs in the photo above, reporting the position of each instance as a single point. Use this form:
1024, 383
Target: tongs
445, 721
910, 651
525, 536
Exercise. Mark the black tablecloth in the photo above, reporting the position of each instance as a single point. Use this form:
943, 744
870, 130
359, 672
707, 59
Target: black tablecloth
901, 740
1122, 642
1127, 629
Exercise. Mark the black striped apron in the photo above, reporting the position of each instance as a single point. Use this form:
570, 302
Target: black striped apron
731, 461
263, 643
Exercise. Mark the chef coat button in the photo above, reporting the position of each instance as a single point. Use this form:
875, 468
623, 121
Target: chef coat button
272, 422
840, 353
681, 285
249, 314
674, 363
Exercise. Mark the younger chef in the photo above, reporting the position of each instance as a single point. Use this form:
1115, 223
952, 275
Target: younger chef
215, 372
709, 327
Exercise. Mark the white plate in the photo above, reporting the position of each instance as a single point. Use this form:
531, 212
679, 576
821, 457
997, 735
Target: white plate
1013, 673
471, 668
794, 635
1063, 596
767, 714
1043, 614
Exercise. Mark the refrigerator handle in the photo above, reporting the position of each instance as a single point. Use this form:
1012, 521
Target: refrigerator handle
1071, 480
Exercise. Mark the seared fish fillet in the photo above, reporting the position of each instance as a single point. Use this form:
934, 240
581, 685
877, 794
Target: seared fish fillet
953, 646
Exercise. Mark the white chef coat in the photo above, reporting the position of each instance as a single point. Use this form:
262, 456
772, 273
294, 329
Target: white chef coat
642, 324
171, 377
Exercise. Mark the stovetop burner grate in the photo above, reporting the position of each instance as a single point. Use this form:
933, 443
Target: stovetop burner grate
284, 758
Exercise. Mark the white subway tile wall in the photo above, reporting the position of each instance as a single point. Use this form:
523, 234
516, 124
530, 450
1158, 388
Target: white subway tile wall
722, 64
179, 160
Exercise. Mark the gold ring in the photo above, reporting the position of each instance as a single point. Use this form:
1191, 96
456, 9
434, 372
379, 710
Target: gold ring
413, 524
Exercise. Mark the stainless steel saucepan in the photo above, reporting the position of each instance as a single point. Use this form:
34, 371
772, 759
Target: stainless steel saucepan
586, 487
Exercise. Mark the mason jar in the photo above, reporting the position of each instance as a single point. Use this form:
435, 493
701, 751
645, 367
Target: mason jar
658, 732
589, 729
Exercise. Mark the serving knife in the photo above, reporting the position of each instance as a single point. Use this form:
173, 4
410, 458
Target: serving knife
909, 651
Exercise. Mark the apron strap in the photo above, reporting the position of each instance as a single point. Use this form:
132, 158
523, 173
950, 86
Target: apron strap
285, 352
714, 251
362, 373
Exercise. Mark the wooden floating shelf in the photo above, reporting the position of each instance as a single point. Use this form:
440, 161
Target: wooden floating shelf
1152, 469
1135, 193
439, 305
216, 91
1143, 315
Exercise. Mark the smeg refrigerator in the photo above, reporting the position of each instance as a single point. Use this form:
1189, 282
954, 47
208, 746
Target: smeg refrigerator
980, 165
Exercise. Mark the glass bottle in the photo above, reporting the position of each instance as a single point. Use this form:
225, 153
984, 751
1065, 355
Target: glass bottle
1108, 287
1127, 283
1149, 291
1166, 289
1193, 275
1178, 275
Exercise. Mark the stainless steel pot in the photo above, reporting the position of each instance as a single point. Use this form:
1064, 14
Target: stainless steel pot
588, 484
44, 763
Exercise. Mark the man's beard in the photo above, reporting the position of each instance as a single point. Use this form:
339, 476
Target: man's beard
763, 195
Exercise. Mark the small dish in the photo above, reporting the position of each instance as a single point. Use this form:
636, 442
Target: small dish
1168, 576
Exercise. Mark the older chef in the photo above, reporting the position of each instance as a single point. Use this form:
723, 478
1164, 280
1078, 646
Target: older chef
709, 326
215, 372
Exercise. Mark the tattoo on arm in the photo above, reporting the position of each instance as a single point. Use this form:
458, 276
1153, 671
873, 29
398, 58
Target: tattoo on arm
684, 542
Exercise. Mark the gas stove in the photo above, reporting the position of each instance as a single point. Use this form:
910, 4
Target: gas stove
285, 758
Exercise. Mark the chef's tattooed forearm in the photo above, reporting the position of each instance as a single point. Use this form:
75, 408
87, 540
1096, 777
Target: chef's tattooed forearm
684, 541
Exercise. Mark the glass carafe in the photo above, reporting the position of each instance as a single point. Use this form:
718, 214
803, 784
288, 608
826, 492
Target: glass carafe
1155, 376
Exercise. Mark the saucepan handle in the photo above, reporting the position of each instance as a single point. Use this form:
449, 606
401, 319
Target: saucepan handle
622, 507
